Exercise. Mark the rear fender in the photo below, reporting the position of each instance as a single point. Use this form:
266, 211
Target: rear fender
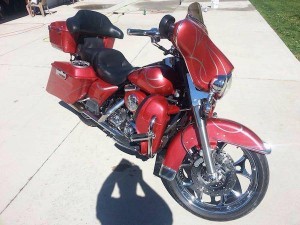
219, 130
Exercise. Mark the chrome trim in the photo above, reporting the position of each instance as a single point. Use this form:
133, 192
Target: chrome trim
61, 74
152, 136
111, 111
116, 134
140, 137
196, 98
131, 87
104, 125
132, 102
80, 63
167, 173
268, 149
149, 136
220, 85
83, 100
169, 61
203, 137
196, 95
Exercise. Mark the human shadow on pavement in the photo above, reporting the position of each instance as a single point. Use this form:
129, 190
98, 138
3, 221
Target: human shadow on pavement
129, 206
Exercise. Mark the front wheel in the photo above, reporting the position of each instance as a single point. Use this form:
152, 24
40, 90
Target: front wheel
243, 186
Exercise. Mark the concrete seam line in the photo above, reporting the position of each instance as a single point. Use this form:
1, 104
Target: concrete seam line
265, 79
20, 47
31, 66
140, 51
30, 178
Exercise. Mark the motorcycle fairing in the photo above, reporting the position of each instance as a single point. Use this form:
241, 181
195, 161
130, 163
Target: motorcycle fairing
157, 106
203, 59
219, 130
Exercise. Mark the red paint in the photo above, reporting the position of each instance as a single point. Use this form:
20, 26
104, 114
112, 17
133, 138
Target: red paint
108, 42
155, 105
204, 60
138, 94
61, 38
152, 80
173, 109
218, 130
100, 91
74, 86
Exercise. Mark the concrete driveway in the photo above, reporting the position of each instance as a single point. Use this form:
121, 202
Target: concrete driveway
56, 170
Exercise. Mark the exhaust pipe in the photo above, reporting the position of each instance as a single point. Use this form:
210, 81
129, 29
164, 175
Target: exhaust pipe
88, 115
117, 135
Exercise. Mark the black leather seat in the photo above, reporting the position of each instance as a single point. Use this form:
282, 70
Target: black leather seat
89, 48
92, 24
110, 64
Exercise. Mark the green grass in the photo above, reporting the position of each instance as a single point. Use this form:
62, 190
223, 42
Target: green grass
284, 17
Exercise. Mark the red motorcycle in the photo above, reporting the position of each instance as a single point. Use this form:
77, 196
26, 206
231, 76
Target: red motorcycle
213, 167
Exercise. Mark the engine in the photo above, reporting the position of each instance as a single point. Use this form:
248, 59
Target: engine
122, 119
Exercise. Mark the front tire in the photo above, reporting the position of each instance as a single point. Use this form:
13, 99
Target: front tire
245, 188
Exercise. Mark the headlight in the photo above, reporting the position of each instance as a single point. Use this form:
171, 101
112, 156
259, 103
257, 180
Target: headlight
221, 84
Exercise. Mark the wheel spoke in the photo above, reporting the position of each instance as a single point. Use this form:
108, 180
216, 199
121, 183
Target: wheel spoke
237, 187
240, 166
187, 183
223, 200
241, 161
187, 165
213, 200
235, 193
199, 193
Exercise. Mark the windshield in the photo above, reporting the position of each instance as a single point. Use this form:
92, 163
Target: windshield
195, 12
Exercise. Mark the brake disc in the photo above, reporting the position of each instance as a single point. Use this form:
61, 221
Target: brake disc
225, 169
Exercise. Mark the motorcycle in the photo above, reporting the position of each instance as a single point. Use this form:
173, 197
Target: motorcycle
213, 167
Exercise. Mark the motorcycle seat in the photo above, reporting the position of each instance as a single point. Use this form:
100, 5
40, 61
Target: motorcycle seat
92, 24
110, 65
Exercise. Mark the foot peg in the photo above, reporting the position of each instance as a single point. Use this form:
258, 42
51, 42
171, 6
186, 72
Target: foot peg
142, 137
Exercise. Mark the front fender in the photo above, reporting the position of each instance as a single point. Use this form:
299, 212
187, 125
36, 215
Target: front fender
219, 130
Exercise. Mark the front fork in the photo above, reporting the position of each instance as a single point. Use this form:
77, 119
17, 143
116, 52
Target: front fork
196, 98
203, 137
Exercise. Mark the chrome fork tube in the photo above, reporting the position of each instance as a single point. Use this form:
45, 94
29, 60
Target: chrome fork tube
203, 137
196, 100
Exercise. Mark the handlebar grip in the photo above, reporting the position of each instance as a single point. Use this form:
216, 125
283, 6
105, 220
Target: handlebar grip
139, 32
136, 32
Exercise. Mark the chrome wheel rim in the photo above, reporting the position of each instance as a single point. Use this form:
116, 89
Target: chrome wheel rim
243, 191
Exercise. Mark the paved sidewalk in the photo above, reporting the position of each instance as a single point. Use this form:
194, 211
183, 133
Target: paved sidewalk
56, 170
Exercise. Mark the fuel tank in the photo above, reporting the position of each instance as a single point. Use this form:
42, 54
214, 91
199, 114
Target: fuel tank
157, 79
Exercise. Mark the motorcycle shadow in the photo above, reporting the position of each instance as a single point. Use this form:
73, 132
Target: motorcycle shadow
125, 198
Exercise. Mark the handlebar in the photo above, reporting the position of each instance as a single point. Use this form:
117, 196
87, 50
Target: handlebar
155, 38
138, 32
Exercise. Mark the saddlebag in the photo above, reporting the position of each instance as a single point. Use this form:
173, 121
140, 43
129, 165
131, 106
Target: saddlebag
70, 82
